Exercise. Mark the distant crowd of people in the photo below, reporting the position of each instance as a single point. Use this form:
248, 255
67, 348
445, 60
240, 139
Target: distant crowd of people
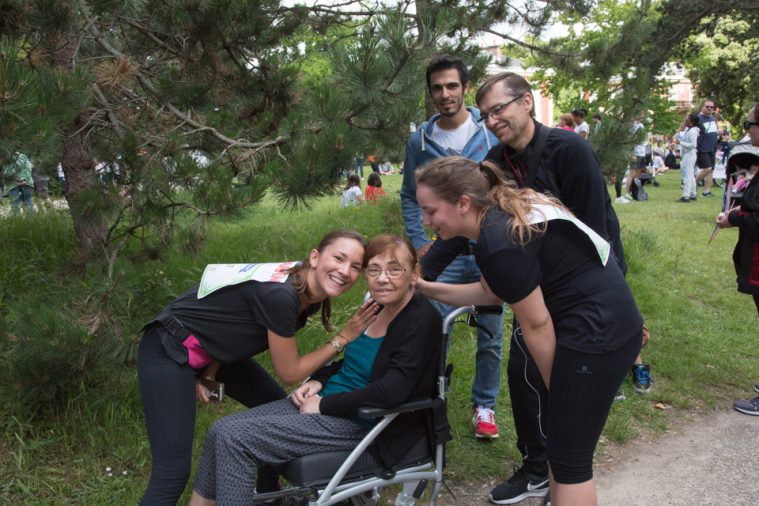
21, 182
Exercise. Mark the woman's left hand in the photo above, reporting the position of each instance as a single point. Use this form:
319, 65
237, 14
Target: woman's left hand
310, 406
365, 316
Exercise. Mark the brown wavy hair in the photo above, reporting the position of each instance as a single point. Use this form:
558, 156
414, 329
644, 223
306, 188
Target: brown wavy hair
389, 242
299, 273
451, 177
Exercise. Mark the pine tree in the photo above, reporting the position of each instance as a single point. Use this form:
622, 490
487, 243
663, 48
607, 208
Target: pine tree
201, 95
194, 109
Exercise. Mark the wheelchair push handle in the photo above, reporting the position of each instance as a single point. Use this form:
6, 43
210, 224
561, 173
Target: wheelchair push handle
471, 310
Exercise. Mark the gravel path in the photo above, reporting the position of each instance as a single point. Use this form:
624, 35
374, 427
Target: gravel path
711, 459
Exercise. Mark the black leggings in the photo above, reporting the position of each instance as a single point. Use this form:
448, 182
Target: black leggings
167, 390
579, 399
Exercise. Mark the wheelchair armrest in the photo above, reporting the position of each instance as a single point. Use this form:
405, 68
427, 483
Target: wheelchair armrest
489, 309
367, 412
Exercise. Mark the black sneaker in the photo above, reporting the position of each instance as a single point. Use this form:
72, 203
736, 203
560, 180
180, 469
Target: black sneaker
518, 488
641, 374
748, 407
707, 194
620, 395
684, 200
756, 388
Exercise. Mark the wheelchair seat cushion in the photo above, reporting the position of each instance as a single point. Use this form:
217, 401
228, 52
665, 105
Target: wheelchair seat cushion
318, 469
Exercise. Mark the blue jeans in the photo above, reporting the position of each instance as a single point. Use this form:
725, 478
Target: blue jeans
487, 375
21, 194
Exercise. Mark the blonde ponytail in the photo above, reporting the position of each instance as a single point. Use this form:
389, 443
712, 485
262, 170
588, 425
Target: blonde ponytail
451, 177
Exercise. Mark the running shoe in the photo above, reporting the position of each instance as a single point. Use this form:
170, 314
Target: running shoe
641, 374
483, 420
519, 487
748, 407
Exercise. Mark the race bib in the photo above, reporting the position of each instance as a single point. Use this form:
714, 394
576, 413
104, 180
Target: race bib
217, 276
542, 213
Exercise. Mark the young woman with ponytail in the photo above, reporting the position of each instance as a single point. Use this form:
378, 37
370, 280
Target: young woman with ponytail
577, 314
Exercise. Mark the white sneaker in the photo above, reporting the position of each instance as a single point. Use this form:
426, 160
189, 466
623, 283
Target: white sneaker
621, 200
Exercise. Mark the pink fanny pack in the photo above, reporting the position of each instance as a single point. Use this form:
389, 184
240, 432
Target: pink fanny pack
198, 357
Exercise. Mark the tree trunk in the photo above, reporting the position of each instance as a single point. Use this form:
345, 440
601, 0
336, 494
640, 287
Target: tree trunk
85, 198
83, 193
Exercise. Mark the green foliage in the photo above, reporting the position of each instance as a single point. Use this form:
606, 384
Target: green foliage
34, 104
272, 93
620, 53
722, 60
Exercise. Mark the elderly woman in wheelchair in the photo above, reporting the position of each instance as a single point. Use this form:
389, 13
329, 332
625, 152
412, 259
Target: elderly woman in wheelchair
395, 360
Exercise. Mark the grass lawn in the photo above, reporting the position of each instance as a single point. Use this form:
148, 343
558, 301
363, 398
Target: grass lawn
702, 353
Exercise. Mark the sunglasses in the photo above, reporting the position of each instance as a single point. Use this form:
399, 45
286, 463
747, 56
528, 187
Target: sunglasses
747, 124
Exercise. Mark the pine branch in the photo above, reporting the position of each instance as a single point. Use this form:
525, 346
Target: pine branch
149, 87
532, 47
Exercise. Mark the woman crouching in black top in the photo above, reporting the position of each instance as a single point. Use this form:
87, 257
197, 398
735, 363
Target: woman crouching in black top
577, 314
214, 335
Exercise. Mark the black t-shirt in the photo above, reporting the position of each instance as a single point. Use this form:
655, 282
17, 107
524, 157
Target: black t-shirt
592, 308
232, 322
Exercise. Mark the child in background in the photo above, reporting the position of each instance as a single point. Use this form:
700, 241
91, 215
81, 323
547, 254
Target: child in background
374, 189
352, 193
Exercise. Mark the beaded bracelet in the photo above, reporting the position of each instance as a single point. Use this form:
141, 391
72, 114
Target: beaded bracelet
337, 344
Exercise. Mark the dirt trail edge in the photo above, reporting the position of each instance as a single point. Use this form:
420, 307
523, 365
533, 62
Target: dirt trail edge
710, 460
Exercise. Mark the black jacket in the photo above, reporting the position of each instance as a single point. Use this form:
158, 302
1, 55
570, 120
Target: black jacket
404, 369
746, 253
568, 170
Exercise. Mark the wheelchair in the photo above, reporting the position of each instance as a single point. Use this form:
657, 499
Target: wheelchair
356, 477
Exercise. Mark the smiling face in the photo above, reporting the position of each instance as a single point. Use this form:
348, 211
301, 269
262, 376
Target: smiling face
447, 91
397, 276
511, 124
447, 219
335, 269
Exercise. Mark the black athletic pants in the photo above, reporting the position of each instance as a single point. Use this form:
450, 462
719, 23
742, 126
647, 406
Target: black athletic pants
582, 392
167, 390
593, 396
529, 401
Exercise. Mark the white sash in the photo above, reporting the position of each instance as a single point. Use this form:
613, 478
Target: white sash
543, 213
217, 276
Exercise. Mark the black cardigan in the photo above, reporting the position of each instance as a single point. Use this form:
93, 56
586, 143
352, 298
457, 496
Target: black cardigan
746, 253
404, 369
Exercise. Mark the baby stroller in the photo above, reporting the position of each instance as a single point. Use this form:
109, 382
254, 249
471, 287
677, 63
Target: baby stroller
356, 476
741, 156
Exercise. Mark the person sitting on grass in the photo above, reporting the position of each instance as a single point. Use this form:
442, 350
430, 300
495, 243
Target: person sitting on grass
393, 361
374, 189
351, 196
